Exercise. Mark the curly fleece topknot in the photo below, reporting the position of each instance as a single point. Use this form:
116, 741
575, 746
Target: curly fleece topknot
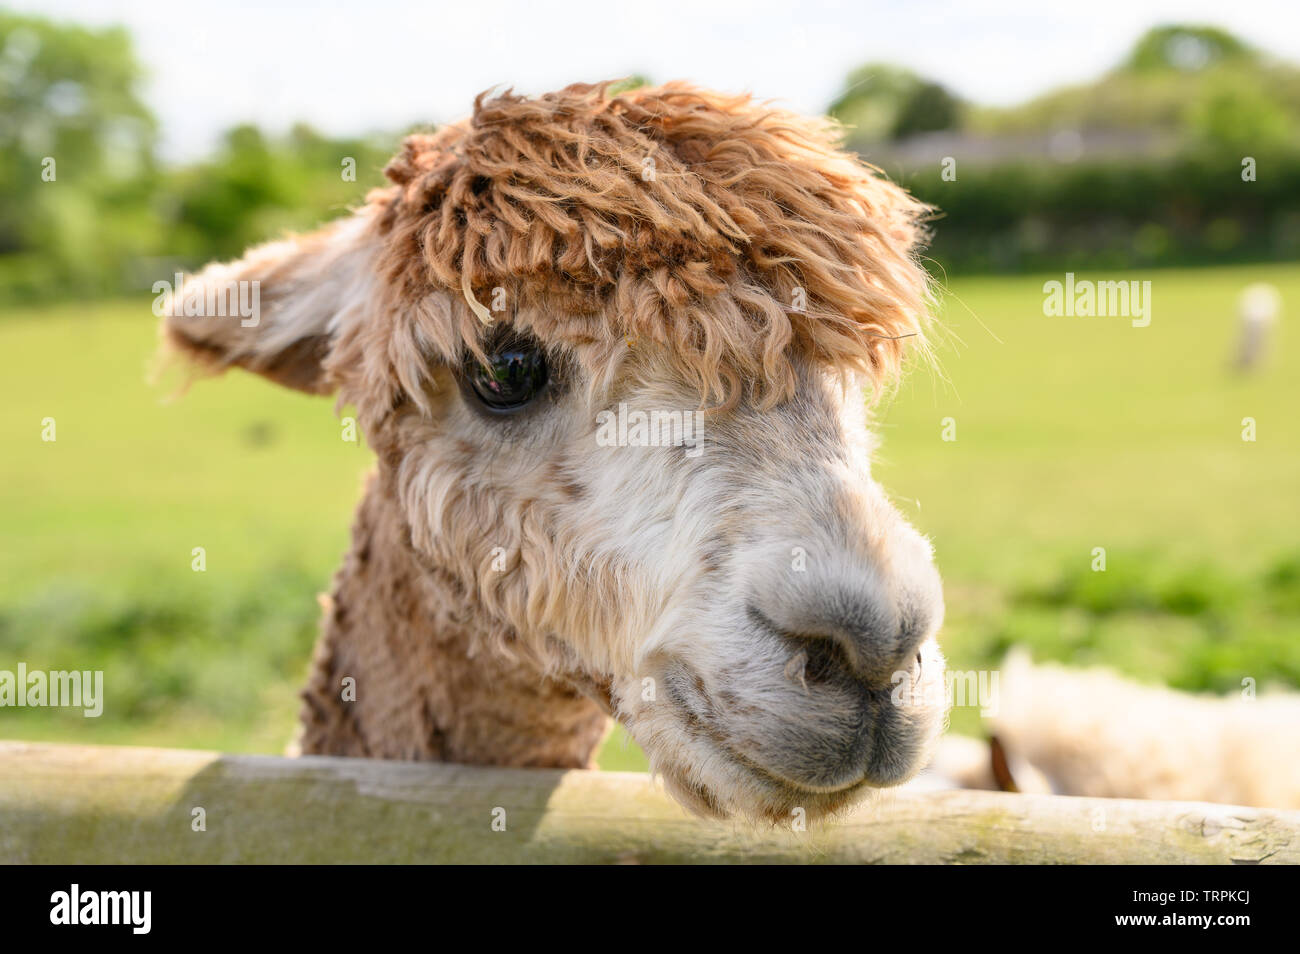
730, 233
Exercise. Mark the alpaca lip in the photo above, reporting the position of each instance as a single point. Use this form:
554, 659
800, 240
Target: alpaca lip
703, 797
861, 739
815, 803
853, 759
789, 784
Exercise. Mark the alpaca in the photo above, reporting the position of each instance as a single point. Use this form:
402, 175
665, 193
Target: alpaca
744, 601
1093, 732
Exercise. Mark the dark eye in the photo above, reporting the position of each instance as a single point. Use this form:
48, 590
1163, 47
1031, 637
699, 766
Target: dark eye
514, 375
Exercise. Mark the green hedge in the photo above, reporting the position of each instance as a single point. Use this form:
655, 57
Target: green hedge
1192, 209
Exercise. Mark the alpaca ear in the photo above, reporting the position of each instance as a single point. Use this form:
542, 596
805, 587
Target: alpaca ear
277, 310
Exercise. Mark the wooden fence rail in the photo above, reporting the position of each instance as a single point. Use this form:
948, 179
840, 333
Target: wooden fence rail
73, 804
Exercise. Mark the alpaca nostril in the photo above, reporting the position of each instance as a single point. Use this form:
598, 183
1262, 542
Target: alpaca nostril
868, 643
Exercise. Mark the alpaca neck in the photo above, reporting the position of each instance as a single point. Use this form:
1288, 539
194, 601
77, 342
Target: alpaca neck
395, 674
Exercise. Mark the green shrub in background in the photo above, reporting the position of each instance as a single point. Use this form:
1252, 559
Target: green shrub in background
1171, 130
256, 187
1194, 208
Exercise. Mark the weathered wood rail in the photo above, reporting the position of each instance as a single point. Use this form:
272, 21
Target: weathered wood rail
74, 804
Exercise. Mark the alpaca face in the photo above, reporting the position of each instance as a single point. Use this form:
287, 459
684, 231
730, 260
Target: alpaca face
641, 452
794, 660
750, 605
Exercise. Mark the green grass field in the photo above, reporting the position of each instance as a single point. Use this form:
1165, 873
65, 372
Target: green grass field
1072, 434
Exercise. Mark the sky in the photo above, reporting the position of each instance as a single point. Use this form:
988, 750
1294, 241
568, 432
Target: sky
354, 66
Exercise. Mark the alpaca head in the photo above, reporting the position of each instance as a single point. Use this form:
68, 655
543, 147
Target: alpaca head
612, 354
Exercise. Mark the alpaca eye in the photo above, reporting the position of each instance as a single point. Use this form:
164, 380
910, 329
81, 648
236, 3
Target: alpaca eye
513, 376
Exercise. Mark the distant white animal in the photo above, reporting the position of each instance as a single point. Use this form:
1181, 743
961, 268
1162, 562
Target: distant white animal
1259, 307
1093, 732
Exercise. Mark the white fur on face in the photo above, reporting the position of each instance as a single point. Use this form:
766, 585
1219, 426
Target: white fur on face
748, 606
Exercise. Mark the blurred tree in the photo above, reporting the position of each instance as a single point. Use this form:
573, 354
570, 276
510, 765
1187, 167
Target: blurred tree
1181, 82
76, 154
84, 207
881, 102
1188, 49
256, 187
871, 98
929, 108
221, 198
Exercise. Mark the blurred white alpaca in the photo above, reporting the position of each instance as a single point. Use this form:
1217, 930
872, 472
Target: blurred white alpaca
1093, 732
1259, 306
